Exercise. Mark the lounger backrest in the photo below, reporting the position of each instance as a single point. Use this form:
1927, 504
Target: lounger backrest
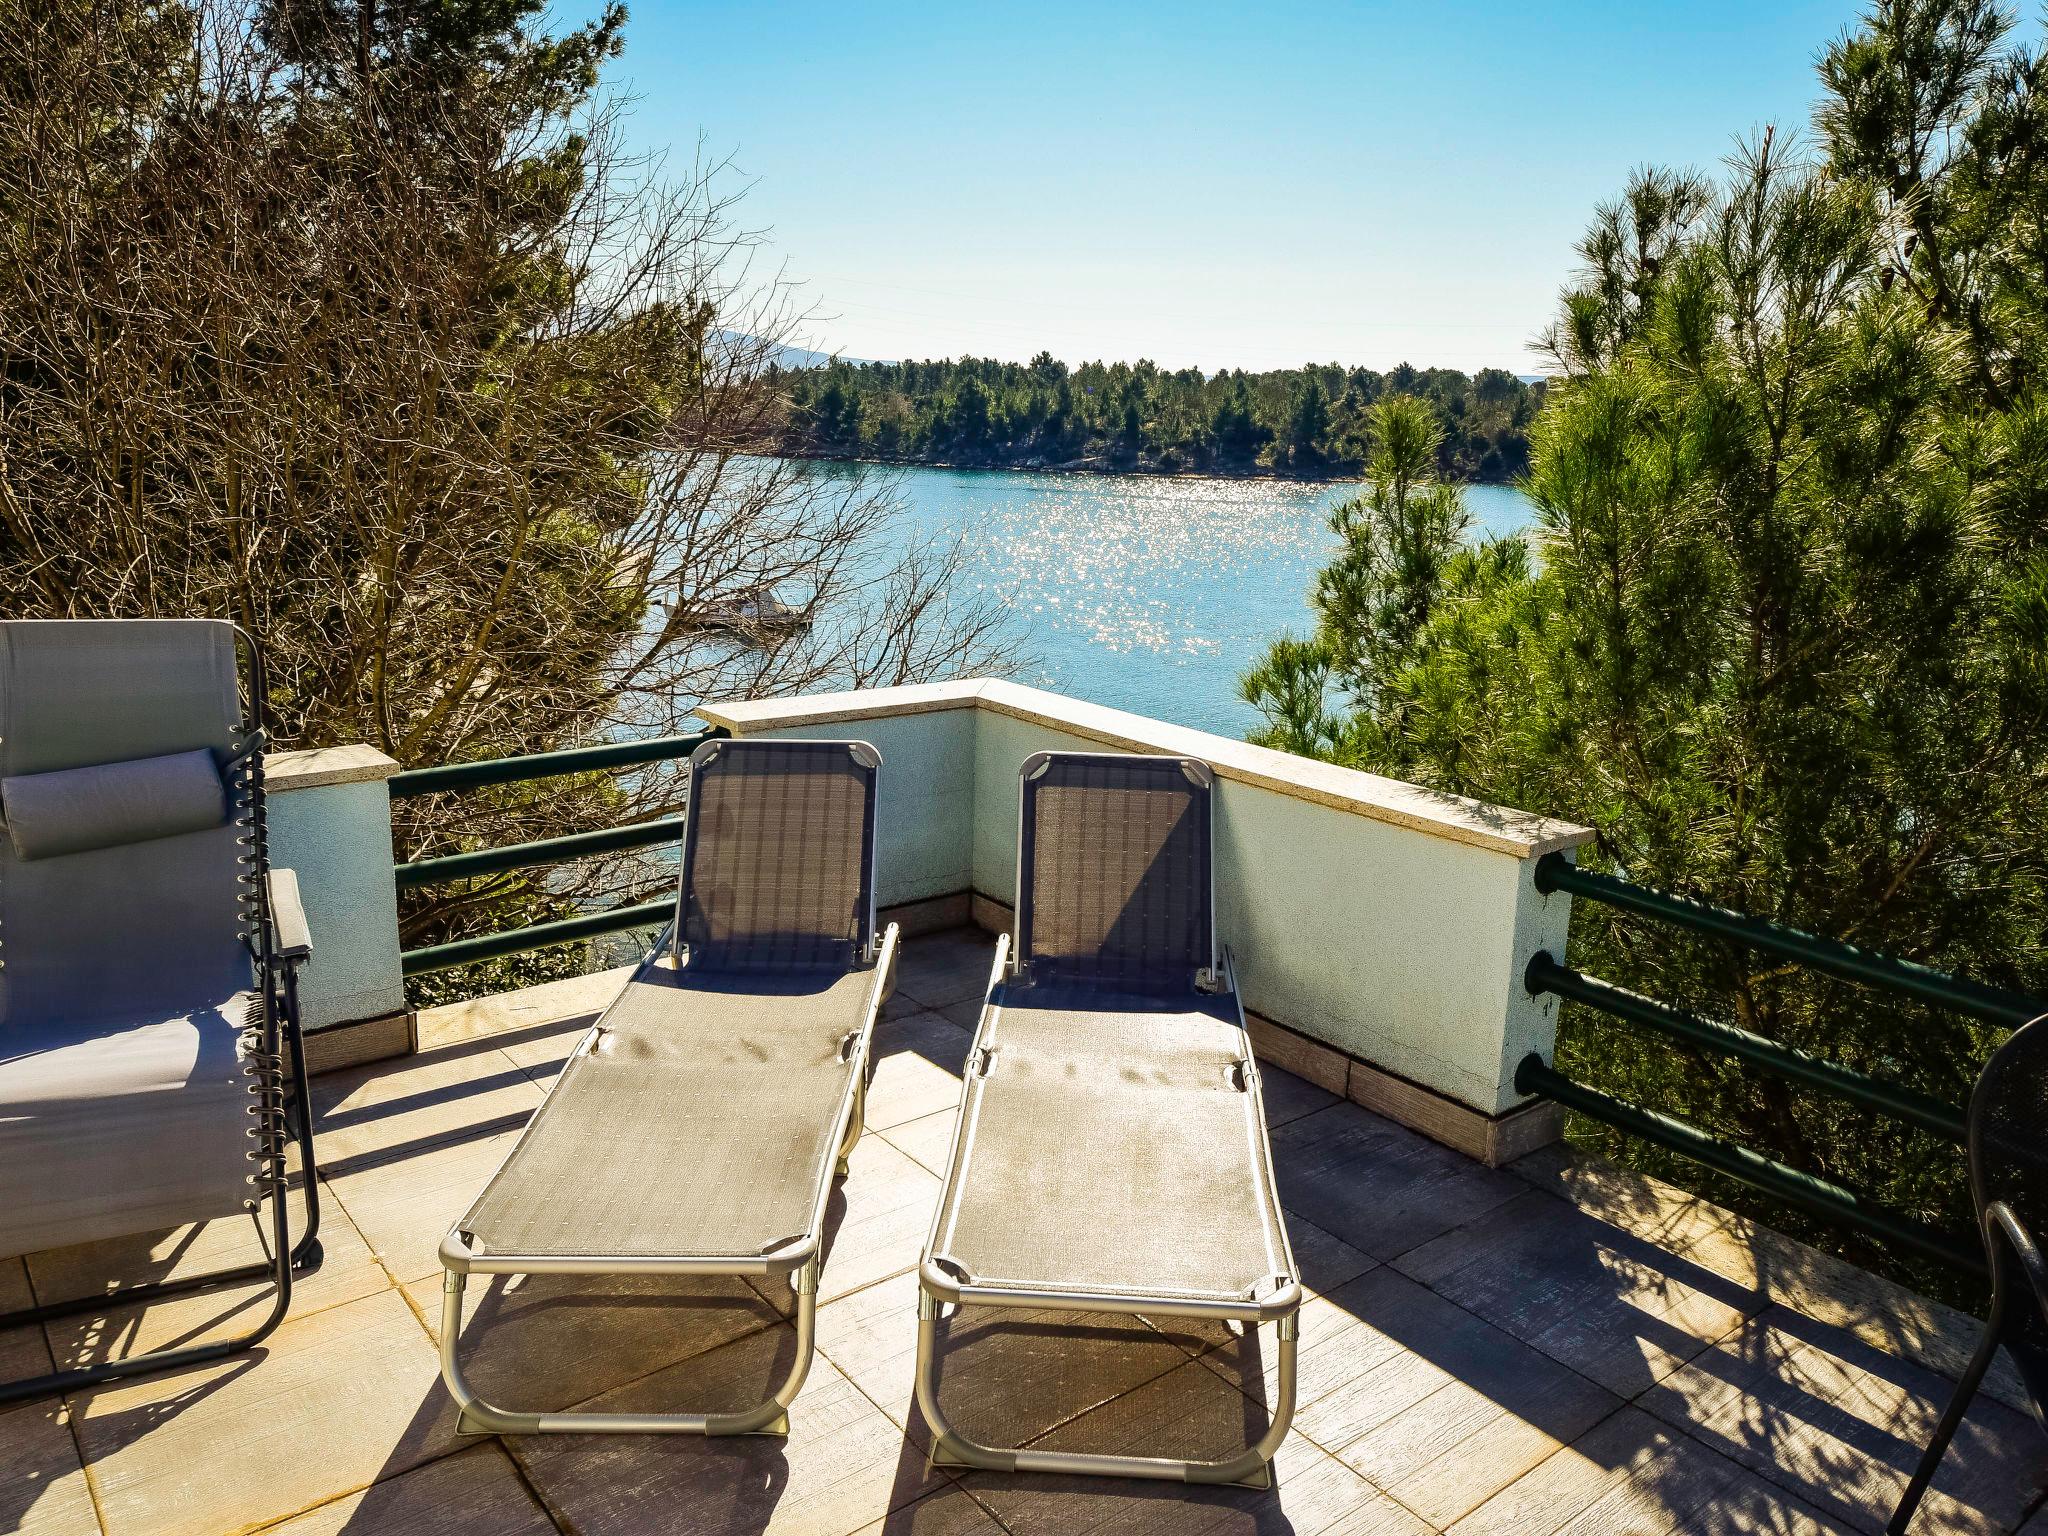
1113, 871
779, 855
119, 891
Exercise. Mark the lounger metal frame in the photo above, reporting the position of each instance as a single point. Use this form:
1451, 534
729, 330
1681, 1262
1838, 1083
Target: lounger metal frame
939, 1289
282, 1050
800, 1261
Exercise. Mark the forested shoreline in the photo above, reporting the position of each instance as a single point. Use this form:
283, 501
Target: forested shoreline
1312, 423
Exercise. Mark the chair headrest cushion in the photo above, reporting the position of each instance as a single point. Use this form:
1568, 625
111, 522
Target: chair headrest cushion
75, 810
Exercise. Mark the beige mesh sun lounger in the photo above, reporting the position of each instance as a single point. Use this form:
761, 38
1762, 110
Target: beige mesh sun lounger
1111, 1149
698, 1127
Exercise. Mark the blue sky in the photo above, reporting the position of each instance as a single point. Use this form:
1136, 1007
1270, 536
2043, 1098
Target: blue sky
1219, 186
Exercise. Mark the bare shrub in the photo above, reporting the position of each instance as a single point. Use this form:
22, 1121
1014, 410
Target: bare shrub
388, 350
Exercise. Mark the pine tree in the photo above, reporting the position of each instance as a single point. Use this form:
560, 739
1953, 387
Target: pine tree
1785, 644
1335, 694
1308, 421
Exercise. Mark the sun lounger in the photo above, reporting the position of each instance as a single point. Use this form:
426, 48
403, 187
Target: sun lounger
1111, 1152
698, 1126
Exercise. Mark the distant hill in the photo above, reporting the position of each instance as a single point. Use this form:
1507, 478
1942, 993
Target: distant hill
788, 357
800, 357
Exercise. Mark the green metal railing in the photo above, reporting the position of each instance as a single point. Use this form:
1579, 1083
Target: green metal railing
552, 850
517, 941
546, 765
1930, 1114
455, 777
1554, 872
1817, 1196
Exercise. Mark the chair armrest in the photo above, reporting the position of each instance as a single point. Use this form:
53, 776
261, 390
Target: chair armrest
290, 938
2002, 1225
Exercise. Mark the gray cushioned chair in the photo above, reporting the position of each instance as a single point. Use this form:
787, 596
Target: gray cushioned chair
151, 1066
1111, 1154
698, 1126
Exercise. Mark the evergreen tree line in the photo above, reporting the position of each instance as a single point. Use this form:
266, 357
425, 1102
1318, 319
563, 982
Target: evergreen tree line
1308, 423
1786, 645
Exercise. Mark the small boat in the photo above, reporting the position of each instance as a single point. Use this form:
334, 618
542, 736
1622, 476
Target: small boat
758, 615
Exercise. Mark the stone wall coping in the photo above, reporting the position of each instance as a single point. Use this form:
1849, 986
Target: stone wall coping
1498, 829
314, 767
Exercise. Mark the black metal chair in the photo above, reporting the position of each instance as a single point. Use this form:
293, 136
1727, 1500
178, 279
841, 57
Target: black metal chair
2009, 1184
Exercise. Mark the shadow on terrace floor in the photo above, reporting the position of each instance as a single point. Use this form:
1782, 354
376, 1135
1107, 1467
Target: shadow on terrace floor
1555, 1348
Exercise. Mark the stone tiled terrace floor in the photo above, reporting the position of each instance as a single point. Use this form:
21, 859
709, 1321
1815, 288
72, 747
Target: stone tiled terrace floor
1550, 1348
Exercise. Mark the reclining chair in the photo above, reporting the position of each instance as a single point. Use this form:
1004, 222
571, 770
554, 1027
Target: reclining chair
1111, 1154
698, 1126
151, 1065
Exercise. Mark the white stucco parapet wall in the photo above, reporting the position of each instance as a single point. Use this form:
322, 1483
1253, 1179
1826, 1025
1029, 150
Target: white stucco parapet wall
1387, 920
329, 814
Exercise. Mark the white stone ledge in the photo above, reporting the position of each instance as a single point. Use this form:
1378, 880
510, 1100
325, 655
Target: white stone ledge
1498, 829
745, 717
318, 766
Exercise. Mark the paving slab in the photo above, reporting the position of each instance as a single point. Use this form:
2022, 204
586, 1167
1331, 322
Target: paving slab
23, 1350
1819, 1285
476, 1492
542, 1052
843, 1467
941, 969
1005, 1377
918, 1061
875, 1225
43, 1487
1325, 1264
1289, 1098
967, 1012
948, 1511
1335, 1346
1431, 1404
508, 1018
1462, 1329
326, 1406
1632, 1474
1603, 1301
1378, 1186
546, 1342
404, 1206
172, 1253
1839, 1424
1191, 1413
347, 1272
390, 1109
927, 1140
900, 1005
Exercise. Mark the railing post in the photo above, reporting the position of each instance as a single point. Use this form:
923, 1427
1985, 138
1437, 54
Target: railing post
330, 820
